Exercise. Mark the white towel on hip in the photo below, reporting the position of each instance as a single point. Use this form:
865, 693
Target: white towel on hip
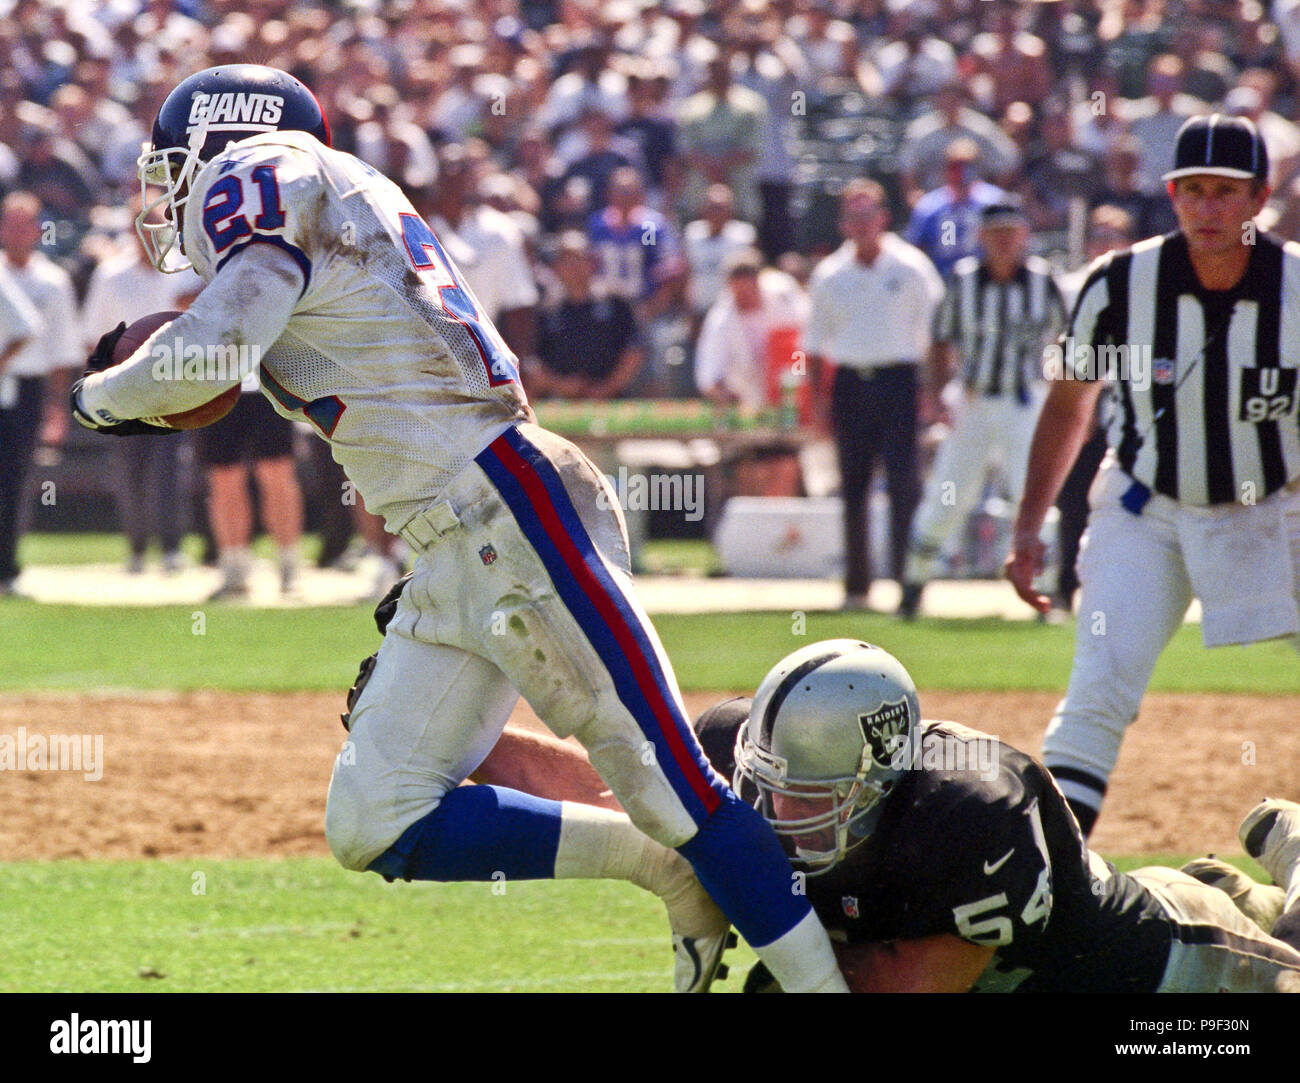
1240, 563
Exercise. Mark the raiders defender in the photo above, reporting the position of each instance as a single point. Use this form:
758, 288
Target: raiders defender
948, 860
943, 860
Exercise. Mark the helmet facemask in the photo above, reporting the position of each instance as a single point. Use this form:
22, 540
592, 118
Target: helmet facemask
170, 169
826, 740
786, 803
202, 116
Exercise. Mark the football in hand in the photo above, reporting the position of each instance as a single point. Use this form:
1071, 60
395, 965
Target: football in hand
214, 410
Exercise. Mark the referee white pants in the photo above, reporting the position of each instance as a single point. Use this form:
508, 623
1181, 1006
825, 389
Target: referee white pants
1136, 590
988, 427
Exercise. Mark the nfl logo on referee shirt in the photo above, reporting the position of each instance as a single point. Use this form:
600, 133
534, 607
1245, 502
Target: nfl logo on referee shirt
850, 904
1162, 370
487, 555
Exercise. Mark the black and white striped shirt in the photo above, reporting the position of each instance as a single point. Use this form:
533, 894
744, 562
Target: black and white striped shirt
1000, 328
1206, 401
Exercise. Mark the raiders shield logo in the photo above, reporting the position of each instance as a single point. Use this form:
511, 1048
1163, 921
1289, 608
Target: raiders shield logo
487, 555
884, 730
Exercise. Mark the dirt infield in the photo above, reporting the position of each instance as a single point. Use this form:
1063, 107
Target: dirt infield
245, 775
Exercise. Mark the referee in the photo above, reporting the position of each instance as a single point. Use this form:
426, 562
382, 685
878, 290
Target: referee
999, 312
1199, 494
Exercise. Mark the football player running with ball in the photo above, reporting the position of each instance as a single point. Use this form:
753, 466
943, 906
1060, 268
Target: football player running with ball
366, 330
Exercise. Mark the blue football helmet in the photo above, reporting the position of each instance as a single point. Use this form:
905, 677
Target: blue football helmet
203, 114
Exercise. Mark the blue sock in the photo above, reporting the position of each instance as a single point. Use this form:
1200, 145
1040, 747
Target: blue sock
741, 864
477, 833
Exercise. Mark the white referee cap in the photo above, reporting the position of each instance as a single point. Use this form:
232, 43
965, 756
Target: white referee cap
1222, 145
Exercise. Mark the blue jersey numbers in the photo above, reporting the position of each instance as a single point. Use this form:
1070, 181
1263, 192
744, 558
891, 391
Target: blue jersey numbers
224, 218
428, 258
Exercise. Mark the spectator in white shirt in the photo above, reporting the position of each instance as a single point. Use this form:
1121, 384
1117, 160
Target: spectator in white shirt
45, 358
486, 245
1155, 120
923, 156
1253, 99
390, 141
912, 62
589, 81
732, 353
749, 333
126, 287
709, 242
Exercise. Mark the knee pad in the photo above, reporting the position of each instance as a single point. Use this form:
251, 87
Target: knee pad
353, 835
351, 846
644, 792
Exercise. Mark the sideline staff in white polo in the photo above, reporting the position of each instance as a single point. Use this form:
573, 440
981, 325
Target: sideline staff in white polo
873, 303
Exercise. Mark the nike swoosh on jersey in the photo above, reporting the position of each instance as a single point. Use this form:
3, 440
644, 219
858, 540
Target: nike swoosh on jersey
989, 870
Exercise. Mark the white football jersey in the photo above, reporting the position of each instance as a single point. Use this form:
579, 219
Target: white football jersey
387, 353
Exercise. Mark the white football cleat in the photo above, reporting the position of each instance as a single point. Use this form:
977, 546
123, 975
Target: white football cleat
697, 961
1270, 833
1262, 903
701, 932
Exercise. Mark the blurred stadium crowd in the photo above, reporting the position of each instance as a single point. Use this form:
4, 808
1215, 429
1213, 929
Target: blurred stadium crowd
604, 172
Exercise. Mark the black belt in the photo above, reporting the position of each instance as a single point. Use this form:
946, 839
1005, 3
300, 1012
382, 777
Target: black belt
874, 370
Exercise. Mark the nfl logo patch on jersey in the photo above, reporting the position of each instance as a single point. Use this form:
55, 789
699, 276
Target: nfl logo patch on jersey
850, 904
487, 555
1162, 370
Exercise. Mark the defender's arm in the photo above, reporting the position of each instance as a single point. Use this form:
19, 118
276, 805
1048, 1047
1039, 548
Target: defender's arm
932, 964
539, 764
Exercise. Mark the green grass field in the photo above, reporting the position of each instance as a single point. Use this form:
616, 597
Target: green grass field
75, 548
86, 648
74, 648
305, 924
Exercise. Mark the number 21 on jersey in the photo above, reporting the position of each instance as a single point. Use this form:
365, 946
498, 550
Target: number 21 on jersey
429, 259
224, 218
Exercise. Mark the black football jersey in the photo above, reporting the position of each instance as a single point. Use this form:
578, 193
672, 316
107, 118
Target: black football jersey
976, 841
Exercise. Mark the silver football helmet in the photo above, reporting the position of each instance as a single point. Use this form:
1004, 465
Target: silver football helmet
831, 730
